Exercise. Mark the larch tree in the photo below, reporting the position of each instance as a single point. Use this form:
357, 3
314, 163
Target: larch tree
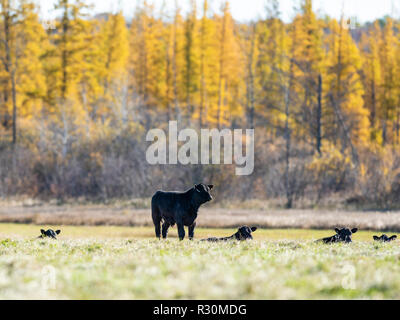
272, 70
345, 90
21, 50
207, 64
229, 71
191, 69
249, 45
372, 77
113, 54
178, 61
167, 75
308, 58
69, 68
31, 44
147, 60
9, 19
390, 89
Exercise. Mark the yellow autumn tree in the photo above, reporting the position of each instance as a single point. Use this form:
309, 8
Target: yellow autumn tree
21, 72
72, 69
207, 64
390, 91
147, 58
372, 78
250, 51
345, 90
272, 69
191, 66
112, 52
30, 76
229, 72
308, 69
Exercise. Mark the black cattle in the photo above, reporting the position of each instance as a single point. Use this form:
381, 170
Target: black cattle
49, 233
243, 233
180, 208
385, 238
342, 235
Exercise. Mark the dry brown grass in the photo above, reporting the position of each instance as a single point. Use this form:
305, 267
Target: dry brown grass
208, 217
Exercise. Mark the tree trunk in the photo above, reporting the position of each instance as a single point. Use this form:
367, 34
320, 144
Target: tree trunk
319, 115
175, 70
373, 98
14, 114
336, 102
64, 62
10, 68
190, 34
202, 65
168, 81
221, 71
251, 79
289, 192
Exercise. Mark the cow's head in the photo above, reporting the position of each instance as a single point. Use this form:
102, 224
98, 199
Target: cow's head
244, 233
202, 193
344, 234
385, 238
49, 233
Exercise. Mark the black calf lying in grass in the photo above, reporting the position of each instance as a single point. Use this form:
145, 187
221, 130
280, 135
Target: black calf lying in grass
342, 235
49, 233
385, 238
243, 233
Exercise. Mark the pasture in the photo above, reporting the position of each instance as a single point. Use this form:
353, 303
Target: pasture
117, 262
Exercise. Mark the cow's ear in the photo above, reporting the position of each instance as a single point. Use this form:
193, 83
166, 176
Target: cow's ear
253, 229
337, 230
211, 186
354, 230
196, 187
58, 231
376, 238
42, 231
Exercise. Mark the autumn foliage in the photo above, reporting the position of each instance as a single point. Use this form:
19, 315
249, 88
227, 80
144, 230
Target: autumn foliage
77, 98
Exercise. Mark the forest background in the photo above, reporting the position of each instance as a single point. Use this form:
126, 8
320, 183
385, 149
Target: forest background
78, 95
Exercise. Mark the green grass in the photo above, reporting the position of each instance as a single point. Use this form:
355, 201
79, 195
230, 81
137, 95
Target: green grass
128, 263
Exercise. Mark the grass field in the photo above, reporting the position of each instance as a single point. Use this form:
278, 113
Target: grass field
128, 263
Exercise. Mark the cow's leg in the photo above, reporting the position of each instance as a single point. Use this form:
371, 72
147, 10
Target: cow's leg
155, 214
191, 231
158, 230
165, 227
181, 230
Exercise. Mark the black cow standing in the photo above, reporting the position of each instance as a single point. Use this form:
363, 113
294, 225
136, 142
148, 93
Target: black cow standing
180, 208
